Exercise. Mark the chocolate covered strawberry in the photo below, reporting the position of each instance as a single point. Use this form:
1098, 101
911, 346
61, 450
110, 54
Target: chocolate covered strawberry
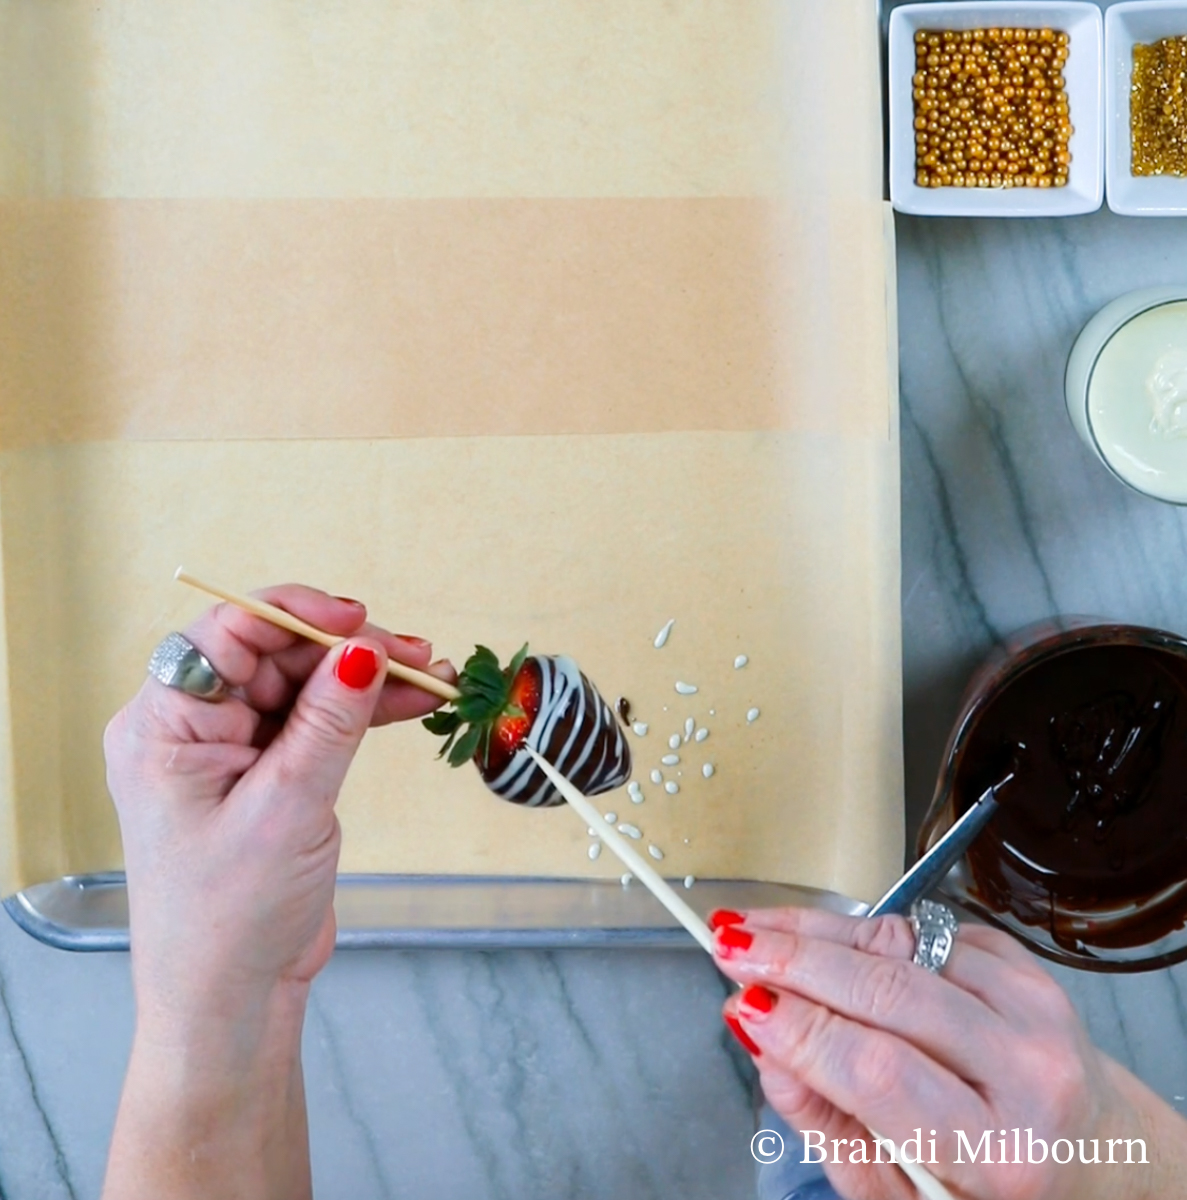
538, 700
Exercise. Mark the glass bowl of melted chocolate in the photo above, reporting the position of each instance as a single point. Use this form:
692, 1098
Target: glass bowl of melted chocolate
1086, 859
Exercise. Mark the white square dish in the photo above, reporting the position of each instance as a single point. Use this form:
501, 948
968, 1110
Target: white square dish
1084, 190
1136, 21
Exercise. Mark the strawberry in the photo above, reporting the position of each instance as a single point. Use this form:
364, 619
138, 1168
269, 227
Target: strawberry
509, 730
545, 701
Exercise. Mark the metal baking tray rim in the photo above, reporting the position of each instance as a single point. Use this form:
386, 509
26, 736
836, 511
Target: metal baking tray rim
447, 912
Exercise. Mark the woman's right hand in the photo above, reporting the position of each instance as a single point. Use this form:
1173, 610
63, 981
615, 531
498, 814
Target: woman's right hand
848, 1035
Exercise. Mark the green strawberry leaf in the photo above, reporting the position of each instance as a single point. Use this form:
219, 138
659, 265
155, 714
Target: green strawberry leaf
485, 689
482, 658
448, 742
477, 710
441, 722
466, 745
517, 662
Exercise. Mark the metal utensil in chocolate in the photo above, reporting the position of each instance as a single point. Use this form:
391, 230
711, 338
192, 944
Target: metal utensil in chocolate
939, 860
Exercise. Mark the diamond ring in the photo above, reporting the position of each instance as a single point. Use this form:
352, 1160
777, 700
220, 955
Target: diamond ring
178, 663
935, 929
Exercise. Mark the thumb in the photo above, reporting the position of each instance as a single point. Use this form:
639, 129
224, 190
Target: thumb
309, 758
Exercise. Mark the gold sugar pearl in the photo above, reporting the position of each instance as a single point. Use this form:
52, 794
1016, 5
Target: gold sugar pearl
991, 108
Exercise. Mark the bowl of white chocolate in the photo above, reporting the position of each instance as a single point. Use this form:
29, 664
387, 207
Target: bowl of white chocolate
1126, 390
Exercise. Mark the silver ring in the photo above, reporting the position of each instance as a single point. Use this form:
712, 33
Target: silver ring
935, 927
178, 663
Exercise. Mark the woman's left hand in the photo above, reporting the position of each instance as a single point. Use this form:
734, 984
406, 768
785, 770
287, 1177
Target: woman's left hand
227, 809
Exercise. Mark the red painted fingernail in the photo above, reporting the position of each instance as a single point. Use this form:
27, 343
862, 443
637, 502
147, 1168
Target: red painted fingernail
736, 1029
724, 916
419, 643
352, 603
759, 998
730, 937
357, 667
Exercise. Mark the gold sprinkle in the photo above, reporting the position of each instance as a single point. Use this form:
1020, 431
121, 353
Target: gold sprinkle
1158, 108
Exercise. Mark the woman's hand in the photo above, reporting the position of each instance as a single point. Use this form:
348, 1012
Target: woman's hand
226, 812
849, 1035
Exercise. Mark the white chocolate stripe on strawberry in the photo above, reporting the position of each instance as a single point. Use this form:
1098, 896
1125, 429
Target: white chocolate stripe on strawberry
590, 707
576, 731
602, 761
563, 696
521, 781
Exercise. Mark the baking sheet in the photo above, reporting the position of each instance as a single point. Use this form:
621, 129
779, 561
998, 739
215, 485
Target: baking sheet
463, 912
544, 322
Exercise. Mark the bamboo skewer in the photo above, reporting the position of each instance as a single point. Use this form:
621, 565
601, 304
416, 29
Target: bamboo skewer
646, 873
277, 616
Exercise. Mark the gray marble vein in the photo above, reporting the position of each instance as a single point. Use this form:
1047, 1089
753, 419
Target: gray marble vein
64, 1035
22, 1071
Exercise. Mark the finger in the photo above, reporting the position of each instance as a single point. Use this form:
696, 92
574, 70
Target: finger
398, 701
281, 676
406, 648
884, 991
308, 760
885, 1082
984, 962
166, 716
401, 701
411, 651
271, 664
234, 640
838, 927
851, 1160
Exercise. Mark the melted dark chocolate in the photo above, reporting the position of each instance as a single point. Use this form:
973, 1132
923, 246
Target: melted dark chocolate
1091, 839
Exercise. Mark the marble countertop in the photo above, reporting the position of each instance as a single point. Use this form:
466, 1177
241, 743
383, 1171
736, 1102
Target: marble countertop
594, 1074
1009, 519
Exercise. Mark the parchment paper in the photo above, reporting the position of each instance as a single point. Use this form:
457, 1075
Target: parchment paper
540, 322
